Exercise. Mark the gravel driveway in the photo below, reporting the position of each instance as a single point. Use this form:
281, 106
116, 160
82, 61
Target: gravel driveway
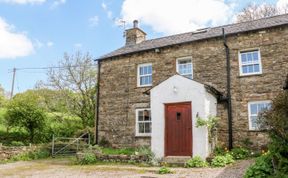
63, 168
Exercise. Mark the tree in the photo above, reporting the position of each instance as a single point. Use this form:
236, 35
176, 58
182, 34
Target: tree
254, 12
275, 120
76, 80
23, 111
2, 96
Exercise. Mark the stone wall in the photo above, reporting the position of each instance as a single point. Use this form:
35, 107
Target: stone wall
120, 96
7, 152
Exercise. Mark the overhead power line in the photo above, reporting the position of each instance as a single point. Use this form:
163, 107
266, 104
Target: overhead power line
45, 68
36, 68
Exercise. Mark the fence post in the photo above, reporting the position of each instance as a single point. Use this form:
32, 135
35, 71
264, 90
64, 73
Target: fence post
77, 144
52, 152
88, 139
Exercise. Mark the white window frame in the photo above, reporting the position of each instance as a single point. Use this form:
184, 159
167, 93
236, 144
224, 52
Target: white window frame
184, 58
138, 74
240, 62
249, 112
137, 134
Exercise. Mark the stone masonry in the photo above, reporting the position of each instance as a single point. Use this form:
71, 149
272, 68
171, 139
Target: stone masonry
120, 96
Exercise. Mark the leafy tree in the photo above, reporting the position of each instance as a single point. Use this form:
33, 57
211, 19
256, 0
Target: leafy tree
76, 80
2, 96
275, 120
24, 112
49, 99
255, 11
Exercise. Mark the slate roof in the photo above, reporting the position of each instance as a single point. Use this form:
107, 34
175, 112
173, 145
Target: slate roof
192, 36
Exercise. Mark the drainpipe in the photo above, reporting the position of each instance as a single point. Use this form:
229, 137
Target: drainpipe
229, 110
97, 104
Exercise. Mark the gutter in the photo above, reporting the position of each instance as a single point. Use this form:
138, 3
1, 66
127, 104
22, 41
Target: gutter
96, 140
228, 97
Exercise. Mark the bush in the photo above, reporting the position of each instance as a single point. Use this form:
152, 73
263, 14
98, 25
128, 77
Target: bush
31, 155
164, 170
261, 168
240, 153
14, 135
275, 122
221, 161
62, 125
220, 151
17, 143
88, 158
24, 112
120, 151
196, 161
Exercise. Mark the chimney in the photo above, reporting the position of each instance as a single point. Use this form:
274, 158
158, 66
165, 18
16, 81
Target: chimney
135, 35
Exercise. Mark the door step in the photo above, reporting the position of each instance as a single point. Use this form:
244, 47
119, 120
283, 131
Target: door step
176, 160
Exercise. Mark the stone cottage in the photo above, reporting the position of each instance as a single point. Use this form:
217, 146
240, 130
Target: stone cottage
151, 92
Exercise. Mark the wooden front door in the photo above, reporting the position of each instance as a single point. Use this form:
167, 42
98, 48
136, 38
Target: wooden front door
178, 129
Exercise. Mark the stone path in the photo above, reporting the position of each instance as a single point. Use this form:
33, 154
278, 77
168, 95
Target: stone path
54, 168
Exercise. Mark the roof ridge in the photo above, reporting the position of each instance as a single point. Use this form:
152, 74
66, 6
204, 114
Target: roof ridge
252, 25
231, 24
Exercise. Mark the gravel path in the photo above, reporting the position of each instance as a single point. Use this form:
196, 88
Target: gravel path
55, 168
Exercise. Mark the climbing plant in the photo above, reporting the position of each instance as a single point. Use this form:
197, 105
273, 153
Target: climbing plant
211, 124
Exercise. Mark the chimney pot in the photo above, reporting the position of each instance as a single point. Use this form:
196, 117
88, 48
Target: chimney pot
135, 23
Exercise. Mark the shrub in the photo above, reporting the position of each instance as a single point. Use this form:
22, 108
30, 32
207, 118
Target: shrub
229, 158
220, 151
31, 155
17, 143
261, 168
165, 170
276, 122
120, 151
24, 112
88, 158
240, 153
221, 161
40, 154
197, 161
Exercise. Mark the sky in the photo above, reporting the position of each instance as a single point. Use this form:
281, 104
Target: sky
36, 33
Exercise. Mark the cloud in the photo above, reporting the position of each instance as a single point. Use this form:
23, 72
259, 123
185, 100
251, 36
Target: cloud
282, 5
93, 21
13, 44
108, 12
49, 43
177, 16
57, 3
23, 1
78, 45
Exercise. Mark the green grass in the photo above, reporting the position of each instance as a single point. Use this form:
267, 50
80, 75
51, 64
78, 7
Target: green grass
120, 151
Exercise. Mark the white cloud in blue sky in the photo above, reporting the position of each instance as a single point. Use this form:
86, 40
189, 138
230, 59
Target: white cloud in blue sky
93, 21
57, 3
13, 44
23, 1
108, 12
177, 16
50, 44
283, 5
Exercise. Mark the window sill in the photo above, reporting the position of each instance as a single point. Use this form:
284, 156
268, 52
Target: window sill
143, 136
145, 86
263, 130
250, 75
